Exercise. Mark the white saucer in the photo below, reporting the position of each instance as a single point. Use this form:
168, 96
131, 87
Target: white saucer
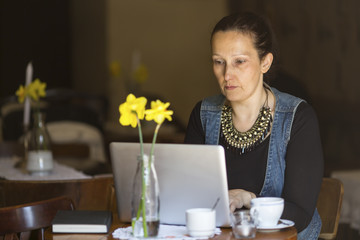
283, 223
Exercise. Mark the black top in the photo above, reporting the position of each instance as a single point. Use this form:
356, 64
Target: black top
304, 164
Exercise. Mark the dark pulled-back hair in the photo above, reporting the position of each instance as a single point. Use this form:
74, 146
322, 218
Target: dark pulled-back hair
249, 23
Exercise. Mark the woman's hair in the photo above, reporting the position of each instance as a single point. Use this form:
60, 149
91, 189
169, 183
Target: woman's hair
252, 24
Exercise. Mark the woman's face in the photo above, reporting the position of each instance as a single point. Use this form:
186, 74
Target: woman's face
237, 66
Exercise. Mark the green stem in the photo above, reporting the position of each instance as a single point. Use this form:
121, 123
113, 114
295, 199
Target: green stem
140, 138
142, 201
153, 143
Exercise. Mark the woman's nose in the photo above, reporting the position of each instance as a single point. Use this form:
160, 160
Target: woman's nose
228, 72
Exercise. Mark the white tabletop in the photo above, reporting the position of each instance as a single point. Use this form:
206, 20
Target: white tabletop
350, 211
60, 172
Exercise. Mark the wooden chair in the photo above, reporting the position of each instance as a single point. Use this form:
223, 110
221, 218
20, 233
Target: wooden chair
95, 193
17, 222
329, 206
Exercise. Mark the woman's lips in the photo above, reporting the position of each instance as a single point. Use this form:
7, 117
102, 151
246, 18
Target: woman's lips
230, 87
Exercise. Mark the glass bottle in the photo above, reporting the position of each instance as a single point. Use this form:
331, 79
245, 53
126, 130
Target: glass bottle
145, 199
39, 157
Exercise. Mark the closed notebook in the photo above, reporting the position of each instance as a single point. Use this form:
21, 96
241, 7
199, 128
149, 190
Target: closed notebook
81, 221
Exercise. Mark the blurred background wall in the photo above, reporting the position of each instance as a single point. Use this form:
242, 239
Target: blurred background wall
74, 43
319, 45
171, 38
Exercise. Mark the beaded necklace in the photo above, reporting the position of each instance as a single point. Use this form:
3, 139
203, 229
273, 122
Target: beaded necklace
246, 141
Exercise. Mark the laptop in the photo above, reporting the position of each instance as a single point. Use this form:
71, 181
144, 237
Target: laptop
189, 175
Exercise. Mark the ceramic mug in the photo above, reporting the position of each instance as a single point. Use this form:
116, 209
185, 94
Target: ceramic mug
267, 211
200, 222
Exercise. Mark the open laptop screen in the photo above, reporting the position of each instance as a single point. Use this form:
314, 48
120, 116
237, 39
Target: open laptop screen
190, 176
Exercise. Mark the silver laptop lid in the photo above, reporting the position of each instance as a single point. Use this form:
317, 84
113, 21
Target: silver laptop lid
190, 176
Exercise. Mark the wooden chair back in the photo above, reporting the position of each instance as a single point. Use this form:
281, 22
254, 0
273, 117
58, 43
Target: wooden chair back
96, 193
17, 222
329, 206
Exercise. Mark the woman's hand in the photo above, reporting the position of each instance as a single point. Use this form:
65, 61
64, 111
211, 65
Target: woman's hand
239, 198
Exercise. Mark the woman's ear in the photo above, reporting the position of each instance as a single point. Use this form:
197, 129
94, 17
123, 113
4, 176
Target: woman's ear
266, 62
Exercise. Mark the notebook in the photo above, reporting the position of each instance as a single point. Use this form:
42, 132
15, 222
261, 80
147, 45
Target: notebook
81, 221
190, 176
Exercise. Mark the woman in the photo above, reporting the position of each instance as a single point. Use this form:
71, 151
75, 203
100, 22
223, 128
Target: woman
271, 139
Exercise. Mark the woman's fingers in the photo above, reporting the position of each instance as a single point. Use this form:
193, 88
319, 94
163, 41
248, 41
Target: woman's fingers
239, 198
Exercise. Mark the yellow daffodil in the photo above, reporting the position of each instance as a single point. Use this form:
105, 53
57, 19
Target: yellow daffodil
36, 89
141, 74
158, 112
40, 86
21, 93
131, 110
32, 92
115, 69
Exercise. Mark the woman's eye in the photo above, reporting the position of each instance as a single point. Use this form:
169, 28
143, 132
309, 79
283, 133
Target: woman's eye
218, 62
239, 61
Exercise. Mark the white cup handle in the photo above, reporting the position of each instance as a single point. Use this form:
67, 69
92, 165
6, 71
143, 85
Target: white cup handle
255, 215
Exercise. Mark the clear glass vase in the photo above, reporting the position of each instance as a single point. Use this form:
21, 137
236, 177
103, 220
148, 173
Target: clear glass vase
145, 199
39, 157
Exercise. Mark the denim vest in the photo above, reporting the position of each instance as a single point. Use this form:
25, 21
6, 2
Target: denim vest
286, 105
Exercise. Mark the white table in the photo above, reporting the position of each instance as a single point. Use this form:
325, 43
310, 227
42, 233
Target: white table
60, 172
350, 211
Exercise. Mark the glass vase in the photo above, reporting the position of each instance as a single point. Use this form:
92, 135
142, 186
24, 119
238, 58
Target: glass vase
39, 157
145, 199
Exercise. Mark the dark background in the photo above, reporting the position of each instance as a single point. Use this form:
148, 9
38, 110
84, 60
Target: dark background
38, 31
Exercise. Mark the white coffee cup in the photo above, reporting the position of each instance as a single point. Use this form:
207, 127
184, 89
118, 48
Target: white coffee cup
200, 222
267, 210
